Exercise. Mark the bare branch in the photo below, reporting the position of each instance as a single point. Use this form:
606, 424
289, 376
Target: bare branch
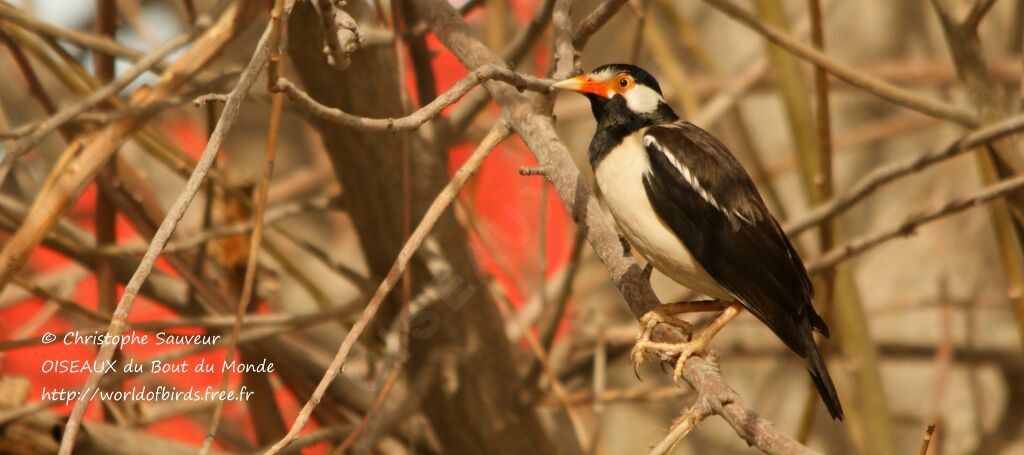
594, 21
565, 51
170, 222
98, 96
882, 175
978, 12
852, 76
911, 223
79, 38
423, 114
437, 207
682, 426
716, 397
249, 280
536, 130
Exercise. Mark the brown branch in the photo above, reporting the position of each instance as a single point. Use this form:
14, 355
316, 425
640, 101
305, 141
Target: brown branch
683, 424
852, 76
249, 280
716, 397
926, 441
79, 38
170, 222
197, 239
565, 51
594, 21
437, 207
883, 175
422, 115
537, 132
911, 223
68, 182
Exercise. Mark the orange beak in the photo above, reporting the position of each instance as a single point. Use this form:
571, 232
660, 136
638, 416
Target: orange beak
584, 84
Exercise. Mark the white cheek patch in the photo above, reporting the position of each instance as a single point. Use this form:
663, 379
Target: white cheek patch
642, 99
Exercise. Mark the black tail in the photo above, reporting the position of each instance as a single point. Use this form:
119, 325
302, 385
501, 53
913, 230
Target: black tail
822, 381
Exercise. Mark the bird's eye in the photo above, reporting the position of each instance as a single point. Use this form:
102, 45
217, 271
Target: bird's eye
624, 82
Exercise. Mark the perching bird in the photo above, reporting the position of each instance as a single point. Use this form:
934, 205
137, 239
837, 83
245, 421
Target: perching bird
687, 206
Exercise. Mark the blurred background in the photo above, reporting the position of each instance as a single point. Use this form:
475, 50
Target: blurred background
925, 329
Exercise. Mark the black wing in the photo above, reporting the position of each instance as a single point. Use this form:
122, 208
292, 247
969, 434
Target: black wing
706, 197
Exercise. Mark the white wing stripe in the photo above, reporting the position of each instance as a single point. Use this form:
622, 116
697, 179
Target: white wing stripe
687, 175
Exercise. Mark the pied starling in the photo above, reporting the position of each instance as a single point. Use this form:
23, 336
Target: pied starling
690, 209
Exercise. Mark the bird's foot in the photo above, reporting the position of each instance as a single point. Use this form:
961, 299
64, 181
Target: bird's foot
696, 343
643, 339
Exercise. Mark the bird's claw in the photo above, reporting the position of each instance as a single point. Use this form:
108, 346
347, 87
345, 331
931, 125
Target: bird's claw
643, 341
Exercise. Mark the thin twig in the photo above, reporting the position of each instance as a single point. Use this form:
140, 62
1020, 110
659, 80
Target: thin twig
170, 222
852, 76
422, 115
911, 223
594, 21
102, 94
257, 219
926, 441
440, 204
682, 426
882, 175
79, 38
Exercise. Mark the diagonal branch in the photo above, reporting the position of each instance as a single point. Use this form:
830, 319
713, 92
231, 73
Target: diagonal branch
423, 114
536, 130
68, 182
842, 71
163, 234
882, 175
79, 38
98, 96
912, 222
594, 21
440, 204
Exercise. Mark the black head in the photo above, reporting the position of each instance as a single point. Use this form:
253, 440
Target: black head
624, 98
624, 92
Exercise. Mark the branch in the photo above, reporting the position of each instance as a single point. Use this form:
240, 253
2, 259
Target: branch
67, 183
98, 96
425, 113
566, 52
537, 132
714, 396
79, 38
437, 207
911, 223
978, 12
882, 175
249, 279
170, 222
855, 78
683, 424
594, 21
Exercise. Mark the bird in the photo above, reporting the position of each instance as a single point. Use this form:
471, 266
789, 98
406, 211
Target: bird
687, 206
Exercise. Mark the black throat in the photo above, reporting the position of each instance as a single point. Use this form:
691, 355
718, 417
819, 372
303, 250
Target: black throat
615, 121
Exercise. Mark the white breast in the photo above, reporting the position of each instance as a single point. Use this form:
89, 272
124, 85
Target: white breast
620, 178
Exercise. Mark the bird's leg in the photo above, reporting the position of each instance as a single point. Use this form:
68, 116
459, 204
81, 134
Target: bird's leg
648, 322
666, 314
700, 342
696, 343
